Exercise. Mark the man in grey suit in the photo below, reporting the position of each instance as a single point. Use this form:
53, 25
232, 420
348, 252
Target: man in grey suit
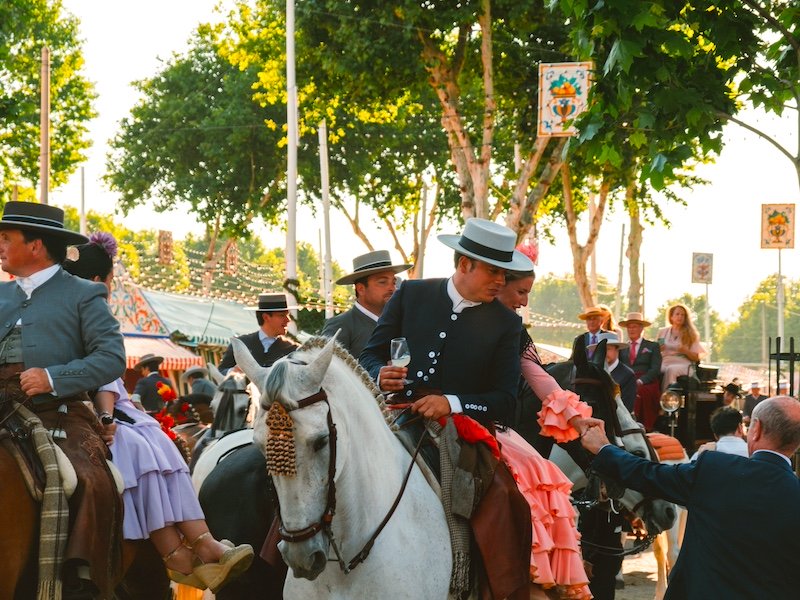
58, 340
373, 277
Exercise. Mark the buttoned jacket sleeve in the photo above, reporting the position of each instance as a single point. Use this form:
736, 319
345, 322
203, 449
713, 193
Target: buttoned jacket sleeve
68, 329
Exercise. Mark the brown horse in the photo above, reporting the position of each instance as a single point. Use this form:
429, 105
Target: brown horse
144, 573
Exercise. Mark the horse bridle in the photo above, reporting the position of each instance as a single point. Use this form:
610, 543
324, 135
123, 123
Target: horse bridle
325, 521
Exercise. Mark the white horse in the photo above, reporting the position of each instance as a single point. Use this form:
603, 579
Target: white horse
345, 454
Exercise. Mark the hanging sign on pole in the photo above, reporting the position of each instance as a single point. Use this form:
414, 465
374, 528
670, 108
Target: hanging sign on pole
563, 96
777, 226
702, 267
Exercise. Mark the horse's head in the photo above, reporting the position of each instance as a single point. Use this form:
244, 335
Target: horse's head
231, 402
589, 379
299, 442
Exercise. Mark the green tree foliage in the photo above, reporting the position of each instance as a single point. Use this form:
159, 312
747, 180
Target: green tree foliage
197, 138
758, 316
25, 27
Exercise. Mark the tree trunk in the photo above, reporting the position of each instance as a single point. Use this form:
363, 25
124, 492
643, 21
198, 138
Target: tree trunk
472, 164
538, 193
633, 251
581, 252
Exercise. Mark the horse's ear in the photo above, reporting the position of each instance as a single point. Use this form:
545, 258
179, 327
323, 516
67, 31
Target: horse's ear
248, 364
579, 352
599, 356
215, 374
316, 370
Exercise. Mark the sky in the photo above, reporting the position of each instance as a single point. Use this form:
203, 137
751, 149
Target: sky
128, 41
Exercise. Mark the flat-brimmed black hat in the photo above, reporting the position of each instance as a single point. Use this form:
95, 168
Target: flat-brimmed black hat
148, 360
369, 263
46, 219
272, 303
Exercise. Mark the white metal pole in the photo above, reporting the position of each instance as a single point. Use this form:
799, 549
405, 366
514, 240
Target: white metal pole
44, 128
83, 201
779, 295
423, 222
707, 325
326, 212
618, 300
291, 152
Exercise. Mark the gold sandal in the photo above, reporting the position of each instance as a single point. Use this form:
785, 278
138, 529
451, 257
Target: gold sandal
189, 579
231, 565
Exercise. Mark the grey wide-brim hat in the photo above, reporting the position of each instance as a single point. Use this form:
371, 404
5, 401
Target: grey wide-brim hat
369, 263
148, 360
202, 371
612, 339
272, 303
489, 242
42, 218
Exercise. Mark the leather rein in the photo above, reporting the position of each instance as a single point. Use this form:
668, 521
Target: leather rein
325, 521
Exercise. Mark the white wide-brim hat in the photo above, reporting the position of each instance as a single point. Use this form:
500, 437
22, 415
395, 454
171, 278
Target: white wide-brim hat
489, 242
611, 338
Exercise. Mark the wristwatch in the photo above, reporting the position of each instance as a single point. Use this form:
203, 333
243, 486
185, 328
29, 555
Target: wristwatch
106, 418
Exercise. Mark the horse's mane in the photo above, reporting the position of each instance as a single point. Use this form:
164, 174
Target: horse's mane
339, 351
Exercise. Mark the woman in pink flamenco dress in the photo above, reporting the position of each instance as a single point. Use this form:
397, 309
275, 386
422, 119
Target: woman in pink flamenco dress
556, 560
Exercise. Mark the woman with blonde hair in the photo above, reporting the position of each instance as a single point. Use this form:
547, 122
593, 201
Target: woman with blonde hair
610, 323
680, 345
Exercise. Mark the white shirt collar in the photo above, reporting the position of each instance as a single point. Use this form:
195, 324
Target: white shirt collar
612, 366
30, 283
783, 456
367, 312
266, 341
459, 302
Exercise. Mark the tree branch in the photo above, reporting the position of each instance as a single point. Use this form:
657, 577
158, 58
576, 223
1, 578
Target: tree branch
758, 132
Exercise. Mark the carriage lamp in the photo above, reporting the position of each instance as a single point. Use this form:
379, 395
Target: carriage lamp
671, 402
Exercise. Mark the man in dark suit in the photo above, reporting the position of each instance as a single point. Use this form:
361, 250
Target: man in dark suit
145, 392
269, 343
465, 359
58, 339
742, 539
620, 372
373, 278
644, 357
594, 317
751, 400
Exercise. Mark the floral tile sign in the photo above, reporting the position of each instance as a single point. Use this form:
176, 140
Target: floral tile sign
702, 267
563, 95
777, 225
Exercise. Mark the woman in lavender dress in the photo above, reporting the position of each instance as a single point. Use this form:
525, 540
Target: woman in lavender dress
159, 499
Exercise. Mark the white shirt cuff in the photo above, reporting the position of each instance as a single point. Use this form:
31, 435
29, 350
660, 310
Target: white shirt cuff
52, 387
455, 403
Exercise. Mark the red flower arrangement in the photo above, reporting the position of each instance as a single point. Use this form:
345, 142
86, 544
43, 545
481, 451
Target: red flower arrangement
166, 392
166, 421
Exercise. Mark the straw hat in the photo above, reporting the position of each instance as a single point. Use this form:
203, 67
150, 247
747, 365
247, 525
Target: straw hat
635, 317
369, 263
593, 311
489, 242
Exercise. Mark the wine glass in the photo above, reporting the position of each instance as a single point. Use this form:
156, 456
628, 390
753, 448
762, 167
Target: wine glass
400, 355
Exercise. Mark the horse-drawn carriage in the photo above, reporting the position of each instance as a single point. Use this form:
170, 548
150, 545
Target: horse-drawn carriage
689, 403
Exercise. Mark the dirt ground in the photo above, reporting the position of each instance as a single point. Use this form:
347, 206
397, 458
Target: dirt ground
640, 577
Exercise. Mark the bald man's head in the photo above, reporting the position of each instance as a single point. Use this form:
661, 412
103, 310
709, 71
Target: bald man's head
775, 425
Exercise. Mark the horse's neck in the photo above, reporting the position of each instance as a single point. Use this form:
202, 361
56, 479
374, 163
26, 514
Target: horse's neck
373, 467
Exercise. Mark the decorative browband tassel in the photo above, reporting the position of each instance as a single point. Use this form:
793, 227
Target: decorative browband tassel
280, 442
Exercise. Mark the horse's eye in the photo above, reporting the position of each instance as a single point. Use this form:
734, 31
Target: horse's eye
320, 443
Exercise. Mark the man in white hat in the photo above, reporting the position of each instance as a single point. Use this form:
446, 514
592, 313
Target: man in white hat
464, 346
621, 373
198, 381
269, 343
594, 316
373, 278
644, 357
58, 339
750, 400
